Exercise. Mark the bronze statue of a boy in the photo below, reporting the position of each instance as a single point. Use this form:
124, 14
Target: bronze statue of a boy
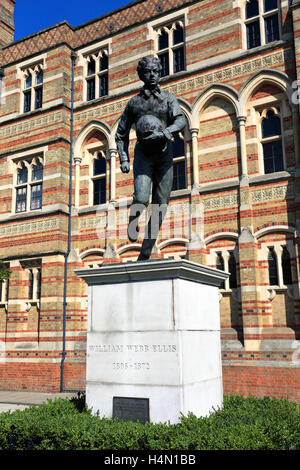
157, 117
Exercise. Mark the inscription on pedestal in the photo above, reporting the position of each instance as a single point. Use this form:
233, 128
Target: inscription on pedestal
131, 409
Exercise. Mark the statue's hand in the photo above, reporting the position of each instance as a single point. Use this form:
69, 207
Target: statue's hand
156, 136
125, 167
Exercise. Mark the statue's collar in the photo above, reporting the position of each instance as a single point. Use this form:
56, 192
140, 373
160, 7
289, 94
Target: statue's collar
155, 92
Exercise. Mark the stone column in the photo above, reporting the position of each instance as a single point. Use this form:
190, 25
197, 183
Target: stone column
242, 128
195, 133
77, 161
113, 158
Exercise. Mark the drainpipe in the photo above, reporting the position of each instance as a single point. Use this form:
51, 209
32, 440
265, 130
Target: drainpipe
73, 58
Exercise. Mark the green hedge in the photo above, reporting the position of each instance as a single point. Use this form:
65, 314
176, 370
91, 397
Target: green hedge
243, 424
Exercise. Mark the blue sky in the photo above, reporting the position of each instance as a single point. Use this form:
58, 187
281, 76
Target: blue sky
36, 14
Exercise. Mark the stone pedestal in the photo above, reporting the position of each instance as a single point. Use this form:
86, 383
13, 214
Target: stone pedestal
153, 334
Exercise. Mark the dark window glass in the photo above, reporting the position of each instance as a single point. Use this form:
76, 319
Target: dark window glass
7, 290
99, 166
179, 178
39, 77
178, 147
220, 266
164, 60
270, 125
252, 9
91, 89
286, 267
178, 35
21, 198
272, 265
28, 81
38, 98
103, 85
39, 284
22, 177
30, 285
272, 28
253, 35
91, 67
104, 62
232, 270
178, 59
273, 157
100, 191
27, 101
163, 40
37, 172
36, 197
270, 5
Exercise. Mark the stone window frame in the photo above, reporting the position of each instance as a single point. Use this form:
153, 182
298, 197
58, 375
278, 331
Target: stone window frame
171, 19
225, 252
178, 159
33, 67
4, 291
261, 18
280, 110
84, 55
33, 268
91, 152
263, 253
28, 162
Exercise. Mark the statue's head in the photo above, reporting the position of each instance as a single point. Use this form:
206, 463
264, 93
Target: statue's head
149, 71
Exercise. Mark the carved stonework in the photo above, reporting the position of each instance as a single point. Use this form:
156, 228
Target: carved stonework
273, 193
29, 227
220, 202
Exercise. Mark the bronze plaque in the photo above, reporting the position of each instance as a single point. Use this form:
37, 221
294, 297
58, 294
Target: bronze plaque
131, 409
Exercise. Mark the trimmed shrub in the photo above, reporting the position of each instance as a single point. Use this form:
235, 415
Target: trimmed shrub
243, 424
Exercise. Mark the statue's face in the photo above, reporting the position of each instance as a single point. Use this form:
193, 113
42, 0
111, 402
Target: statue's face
150, 75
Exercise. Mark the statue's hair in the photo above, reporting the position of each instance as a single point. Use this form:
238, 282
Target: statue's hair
145, 61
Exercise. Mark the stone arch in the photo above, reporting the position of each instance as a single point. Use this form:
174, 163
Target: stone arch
274, 77
213, 91
95, 125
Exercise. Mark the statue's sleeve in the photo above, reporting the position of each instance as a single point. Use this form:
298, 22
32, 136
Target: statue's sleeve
122, 134
176, 118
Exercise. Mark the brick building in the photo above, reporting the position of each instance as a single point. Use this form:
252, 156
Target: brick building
235, 205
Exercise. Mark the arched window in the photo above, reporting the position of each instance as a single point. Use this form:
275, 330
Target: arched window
99, 179
30, 284
262, 22
179, 164
272, 266
232, 270
171, 48
221, 266
286, 267
33, 88
97, 75
272, 143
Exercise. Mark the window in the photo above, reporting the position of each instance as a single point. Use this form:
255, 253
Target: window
261, 22
4, 291
232, 270
29, 185
220, 265
34, 279
286, 267
272, 267
179, 164
97, 75
99, 179
279, 266
33, 89
171, 48
271, 141
226, 260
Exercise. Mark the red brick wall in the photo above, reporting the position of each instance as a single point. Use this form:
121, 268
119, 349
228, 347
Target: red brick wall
262, 381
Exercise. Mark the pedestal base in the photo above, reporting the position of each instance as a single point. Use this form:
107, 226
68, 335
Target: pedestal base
154, 334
